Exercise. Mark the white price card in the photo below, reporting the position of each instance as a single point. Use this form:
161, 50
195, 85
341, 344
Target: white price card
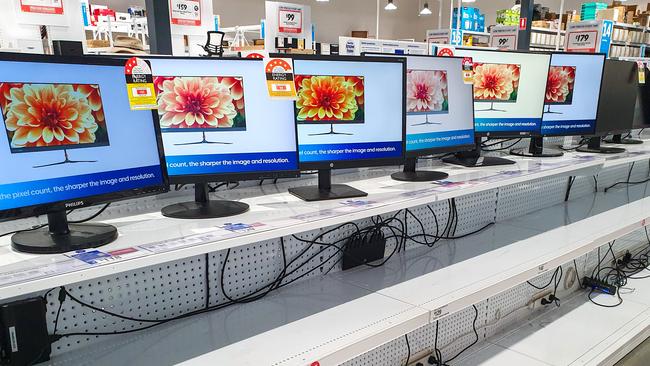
290, 19
42, 6
185, 12
504, 37
438, 36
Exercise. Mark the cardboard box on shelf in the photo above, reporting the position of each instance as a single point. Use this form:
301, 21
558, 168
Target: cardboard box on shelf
610, 14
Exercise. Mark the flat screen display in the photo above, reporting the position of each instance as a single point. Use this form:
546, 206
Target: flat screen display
509, 91
617, 98
313, 108
642, 110
70, 135
223, 90
217, 119
572, 94
349, 110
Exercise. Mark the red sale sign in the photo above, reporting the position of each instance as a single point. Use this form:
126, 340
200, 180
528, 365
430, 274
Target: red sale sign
185, 12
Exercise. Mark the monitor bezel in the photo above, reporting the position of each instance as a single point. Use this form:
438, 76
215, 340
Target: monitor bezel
501, 134
602, 75
223, 177
358, 163
93, 200
434, 150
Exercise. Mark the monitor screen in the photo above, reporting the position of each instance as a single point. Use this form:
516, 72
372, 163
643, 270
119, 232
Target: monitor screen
350, 111
642, 111
508, 91
70, 135
617, 98
572, 93
217, 120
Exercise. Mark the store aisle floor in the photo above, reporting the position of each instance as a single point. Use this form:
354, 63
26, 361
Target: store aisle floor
640, 356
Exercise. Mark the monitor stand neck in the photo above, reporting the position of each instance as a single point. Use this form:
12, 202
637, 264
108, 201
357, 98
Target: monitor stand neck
203, 207
325, 190
473, 158
536, 149
411, 174
60, 236
594, 147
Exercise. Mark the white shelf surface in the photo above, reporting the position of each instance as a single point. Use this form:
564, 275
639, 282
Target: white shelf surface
333, 319
154, 239
552, 339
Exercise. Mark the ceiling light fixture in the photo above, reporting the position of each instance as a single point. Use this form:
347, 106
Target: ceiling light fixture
425, 10
390, 6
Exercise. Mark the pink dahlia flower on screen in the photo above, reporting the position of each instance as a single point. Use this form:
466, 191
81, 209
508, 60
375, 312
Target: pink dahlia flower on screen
196, 102
425, 90
495, 82
560, 83
50, 115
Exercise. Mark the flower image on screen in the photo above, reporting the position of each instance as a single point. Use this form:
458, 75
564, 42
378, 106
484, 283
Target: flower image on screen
560, 84
426, 92
329, 99
200, 103
42, 117
496, 82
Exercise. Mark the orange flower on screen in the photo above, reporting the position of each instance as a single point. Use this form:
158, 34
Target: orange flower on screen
425, 90
91, 92
236, 86
493, 82
357, 84
515, 71
326, 98
193, 102
559, 84
49, 115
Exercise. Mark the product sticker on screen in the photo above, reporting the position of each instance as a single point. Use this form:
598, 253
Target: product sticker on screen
139, 84
279, 78
641, 72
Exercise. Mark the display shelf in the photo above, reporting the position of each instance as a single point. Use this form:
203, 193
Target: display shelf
330, 320
151, 239
546, 339
545, 46
629, 26
546, 30
475, 33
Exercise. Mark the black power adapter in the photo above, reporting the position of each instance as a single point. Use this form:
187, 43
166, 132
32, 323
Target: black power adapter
599, 286
23, 333
364, 248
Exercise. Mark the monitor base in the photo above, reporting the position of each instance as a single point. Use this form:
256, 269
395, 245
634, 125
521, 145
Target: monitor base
79, 236
547, 153
203, 141
419, 176
480, 161
336, 191
624, 142
67, 160
425, 124
204, 210
332, 132
601, 150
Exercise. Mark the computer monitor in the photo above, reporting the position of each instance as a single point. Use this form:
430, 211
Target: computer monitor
571, 99
71, 141
219, 124
618, 95
641, 113
351, 113
509, 90
437, 118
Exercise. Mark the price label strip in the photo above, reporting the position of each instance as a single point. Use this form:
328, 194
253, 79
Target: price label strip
185, 12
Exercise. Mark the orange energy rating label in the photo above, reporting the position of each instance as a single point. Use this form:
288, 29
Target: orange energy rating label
139, 85
279, 78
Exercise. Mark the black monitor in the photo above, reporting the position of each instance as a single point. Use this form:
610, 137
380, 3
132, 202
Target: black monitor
437, 118
641, 113
71, 141
509, 90
618, 95
219, 124
571, 99
351, 113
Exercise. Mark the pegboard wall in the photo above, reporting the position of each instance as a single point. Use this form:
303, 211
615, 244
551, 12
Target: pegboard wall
177, 287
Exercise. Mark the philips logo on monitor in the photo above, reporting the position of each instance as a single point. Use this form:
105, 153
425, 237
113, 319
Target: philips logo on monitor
74, 204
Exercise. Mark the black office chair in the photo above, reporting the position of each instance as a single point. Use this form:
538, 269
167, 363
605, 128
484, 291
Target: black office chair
214, 44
